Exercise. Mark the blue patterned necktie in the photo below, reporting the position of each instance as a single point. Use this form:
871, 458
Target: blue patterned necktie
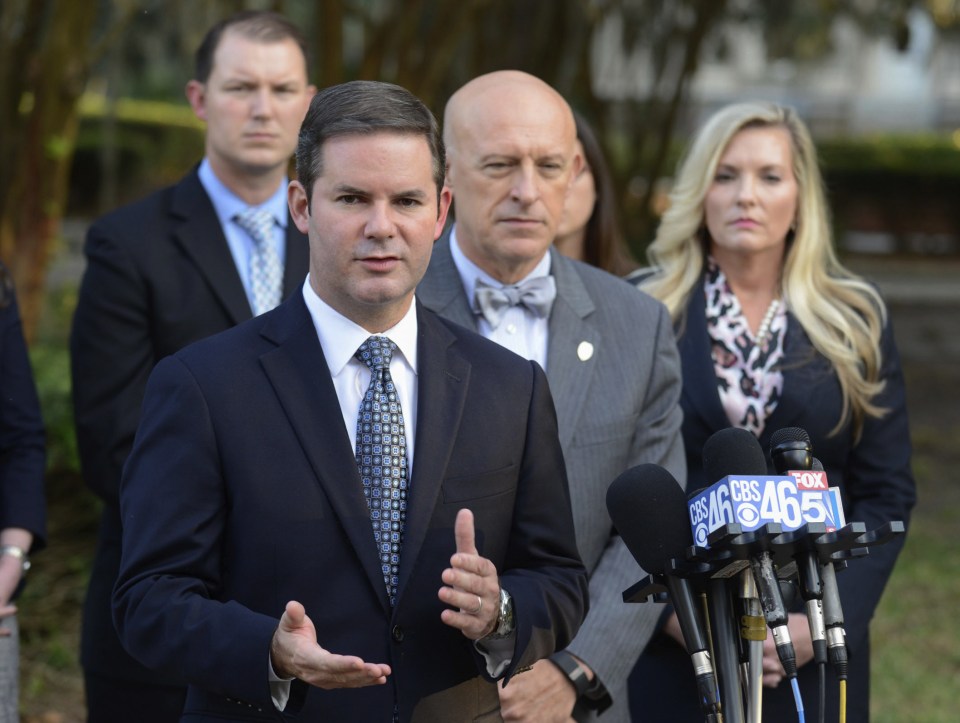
382, 457
537, 294
266, 272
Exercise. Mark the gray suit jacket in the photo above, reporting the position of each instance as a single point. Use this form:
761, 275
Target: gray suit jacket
616, 409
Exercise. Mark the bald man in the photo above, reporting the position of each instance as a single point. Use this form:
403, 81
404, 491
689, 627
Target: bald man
608, 351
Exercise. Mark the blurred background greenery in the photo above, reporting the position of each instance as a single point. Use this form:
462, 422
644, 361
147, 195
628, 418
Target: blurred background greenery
92, 115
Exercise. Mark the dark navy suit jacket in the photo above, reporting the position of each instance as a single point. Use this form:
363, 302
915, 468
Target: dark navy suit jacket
242, 493
22, 453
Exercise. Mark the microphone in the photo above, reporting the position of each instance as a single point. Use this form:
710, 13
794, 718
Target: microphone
832, 611
735, 451
649, 510
790, 450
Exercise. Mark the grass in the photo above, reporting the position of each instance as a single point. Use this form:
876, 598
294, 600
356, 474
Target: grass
916, 633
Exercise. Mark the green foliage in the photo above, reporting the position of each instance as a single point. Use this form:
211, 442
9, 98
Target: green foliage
893, 156
141, 146
51, 369
51, 372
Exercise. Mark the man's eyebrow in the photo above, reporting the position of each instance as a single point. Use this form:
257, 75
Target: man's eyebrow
346, 188
412, 193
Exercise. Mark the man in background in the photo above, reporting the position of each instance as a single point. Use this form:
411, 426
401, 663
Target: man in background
184, 263
350, 509
608, 351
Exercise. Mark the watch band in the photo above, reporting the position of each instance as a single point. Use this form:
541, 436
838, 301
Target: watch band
591, 694
17, 552
573, 670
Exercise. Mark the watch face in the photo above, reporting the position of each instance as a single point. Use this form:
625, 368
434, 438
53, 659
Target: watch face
506, 621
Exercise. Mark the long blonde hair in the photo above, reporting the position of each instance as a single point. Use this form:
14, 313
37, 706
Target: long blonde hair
841, 313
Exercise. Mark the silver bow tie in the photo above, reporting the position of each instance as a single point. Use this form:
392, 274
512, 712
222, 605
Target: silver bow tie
537, 294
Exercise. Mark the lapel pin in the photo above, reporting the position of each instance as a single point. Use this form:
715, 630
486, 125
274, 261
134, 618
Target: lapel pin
584, 351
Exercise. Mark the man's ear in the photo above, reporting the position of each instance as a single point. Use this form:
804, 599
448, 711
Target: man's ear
444, 208
196, 93
299, 205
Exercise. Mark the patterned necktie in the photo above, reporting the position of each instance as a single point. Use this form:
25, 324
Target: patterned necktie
537, 294
382, 457
266, 273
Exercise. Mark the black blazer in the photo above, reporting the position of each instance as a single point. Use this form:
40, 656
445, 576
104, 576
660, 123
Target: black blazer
22, 452
873, 474
242, 492
159, 276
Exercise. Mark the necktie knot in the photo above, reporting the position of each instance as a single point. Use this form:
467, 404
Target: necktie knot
536, 294
376, 353
266, 271
257, 222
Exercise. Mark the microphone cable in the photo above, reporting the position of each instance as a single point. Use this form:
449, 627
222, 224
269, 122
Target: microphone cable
822, 675
796, 696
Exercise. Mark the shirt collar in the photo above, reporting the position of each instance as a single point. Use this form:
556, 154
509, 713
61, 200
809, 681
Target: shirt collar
227, 204
470, 272
340, 337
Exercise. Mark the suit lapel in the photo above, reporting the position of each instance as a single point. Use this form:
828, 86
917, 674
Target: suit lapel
442, 382
201, 238
298, 373
572, 347
796, 367
699, 377
441, 289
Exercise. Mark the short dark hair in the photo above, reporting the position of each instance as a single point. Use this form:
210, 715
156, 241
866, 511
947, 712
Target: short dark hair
259, 25
363, 107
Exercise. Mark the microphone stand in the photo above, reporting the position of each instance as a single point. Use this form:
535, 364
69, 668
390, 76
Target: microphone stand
726, 646
753, 632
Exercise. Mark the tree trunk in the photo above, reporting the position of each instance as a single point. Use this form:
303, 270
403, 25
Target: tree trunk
45, 130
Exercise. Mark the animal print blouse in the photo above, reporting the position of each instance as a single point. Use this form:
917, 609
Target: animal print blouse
748, 380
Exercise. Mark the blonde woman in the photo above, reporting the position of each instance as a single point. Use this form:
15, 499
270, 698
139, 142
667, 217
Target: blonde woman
774, 332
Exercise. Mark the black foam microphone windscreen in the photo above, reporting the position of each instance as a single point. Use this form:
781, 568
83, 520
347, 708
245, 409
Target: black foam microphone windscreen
649, 510
790, 449
732, 451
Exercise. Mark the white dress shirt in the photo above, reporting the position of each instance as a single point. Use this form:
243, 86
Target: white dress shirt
340, 338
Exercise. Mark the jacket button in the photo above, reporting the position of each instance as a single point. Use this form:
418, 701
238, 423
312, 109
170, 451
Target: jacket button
397, 633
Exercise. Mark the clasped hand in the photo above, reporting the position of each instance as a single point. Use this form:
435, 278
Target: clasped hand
470, 584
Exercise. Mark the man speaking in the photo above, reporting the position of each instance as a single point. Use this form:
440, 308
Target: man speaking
349, 492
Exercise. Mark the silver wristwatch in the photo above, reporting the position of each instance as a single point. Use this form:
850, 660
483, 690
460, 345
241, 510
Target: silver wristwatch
17, 552
506, 622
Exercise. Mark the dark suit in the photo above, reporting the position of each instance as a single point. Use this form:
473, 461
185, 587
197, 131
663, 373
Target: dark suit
242, 492
22, 453
159, 276
22, 461
617, 407
877, 485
